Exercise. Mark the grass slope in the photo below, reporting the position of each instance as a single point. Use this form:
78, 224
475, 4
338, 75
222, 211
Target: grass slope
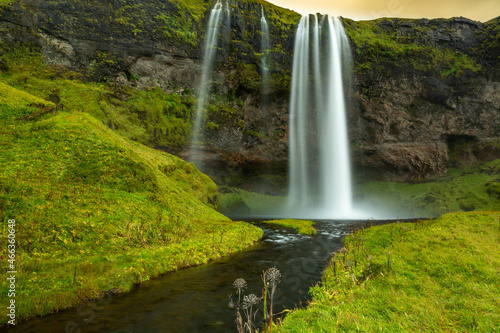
433, 276
89, 201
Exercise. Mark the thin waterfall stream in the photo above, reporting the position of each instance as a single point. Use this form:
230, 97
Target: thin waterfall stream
210, 49
265, 47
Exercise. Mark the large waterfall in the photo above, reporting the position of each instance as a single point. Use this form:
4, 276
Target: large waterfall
319, 167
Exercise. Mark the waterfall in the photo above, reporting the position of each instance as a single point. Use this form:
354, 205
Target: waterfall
265, 46
210, 48
319, 167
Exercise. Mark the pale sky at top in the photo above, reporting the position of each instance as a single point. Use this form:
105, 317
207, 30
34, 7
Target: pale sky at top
479, 10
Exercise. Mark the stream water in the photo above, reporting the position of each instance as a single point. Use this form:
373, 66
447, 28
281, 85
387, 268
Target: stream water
196, 299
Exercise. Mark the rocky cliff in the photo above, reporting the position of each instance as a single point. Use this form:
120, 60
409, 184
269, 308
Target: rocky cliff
426, 92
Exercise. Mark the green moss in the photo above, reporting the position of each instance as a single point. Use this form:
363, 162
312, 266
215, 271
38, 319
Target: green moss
491, 40
282, 81
378, 52
427, 276
178, 27
303, 227
257, 135
195, 8
165, 118
150, 117
7, 3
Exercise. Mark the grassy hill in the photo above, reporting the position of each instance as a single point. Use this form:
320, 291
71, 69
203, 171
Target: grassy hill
95, 211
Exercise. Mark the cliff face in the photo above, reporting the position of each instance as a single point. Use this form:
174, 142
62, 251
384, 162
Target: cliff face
427, 92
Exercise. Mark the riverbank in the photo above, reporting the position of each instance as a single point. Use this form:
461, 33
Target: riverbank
96, 212
434, 276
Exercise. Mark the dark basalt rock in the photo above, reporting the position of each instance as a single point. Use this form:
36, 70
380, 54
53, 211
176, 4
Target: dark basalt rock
435, 91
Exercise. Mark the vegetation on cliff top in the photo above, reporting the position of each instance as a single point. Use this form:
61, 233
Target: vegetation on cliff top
95, 211
382, 47
432, 276
492, 39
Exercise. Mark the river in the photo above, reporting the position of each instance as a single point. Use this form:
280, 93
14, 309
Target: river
196, 299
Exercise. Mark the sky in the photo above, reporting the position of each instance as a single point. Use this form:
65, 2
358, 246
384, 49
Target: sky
479, 10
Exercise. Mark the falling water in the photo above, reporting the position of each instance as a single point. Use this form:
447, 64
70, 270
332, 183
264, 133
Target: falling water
299, 192
227, 19
265, 46
208, 62
319, 175
335, 167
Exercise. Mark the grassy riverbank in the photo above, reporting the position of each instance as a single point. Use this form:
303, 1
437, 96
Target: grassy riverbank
434, 276
97, 212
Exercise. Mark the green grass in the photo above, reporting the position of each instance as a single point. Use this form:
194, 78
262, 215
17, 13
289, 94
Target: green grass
432, 276
15, 103
475, 188
83, 196
303, 227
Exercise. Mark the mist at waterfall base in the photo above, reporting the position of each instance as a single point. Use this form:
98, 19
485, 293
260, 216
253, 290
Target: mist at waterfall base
319, 175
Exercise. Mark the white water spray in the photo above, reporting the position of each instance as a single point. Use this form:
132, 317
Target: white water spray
319, 188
